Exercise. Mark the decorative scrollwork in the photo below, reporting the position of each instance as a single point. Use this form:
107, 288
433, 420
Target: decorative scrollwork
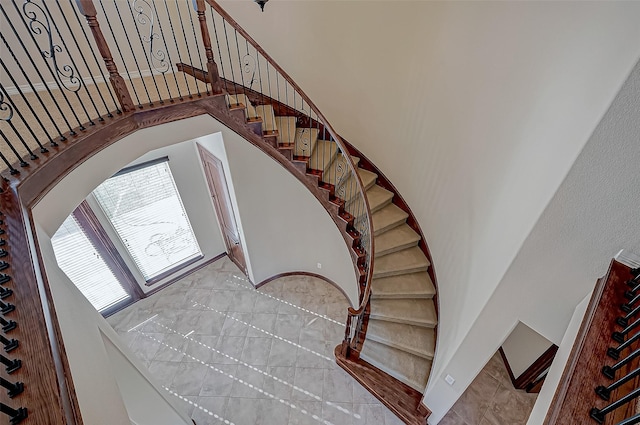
249, 69
6, 111
304, 137
39, 24
144, 16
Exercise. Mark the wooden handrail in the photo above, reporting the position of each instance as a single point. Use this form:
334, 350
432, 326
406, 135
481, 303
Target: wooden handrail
367, 290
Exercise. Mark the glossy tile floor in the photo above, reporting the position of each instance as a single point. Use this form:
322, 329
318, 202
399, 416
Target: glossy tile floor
231, 354
491, 400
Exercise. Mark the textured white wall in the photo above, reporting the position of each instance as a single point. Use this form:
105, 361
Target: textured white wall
475, 111
591, 217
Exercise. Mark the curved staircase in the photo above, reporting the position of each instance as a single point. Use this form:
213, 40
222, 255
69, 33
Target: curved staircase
400, 333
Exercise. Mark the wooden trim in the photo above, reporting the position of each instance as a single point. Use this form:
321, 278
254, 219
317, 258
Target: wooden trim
103, 243
540, 365
574, 395
401, 399
185, 274
507, 366
300, 273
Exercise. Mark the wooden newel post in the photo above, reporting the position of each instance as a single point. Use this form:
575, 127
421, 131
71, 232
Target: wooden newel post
212, 68
88, 9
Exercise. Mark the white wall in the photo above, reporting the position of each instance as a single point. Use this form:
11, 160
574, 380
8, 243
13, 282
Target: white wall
552, 380
97, 379
283, 226
592, 216
523, 347
476, 112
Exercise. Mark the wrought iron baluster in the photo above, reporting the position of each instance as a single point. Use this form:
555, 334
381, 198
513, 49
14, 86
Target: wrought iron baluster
186, 42
144, 19
27, 125
15, 415
166, 49
609, 371
6, 115
23, 163
605, 392
36, 27
600, 414
184, 75
193, 30
215, 32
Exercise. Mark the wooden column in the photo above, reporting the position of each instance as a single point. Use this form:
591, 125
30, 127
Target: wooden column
212, 68
88, 9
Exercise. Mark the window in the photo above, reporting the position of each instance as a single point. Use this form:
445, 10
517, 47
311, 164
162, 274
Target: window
84, 266
145, 209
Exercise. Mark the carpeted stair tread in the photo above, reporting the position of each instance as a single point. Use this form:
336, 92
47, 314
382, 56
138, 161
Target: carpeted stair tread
268, 117
306, 139
323, 155
378, 198
349, 189
408, 260
337, 170
411, 285
249, 110
387, 218
410, 369
286, 130
396, 239
415, 340
417, 312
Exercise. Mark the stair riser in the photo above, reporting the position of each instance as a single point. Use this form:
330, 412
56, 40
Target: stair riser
379, 254
403, 321
426, 356
390, 273
396, 296
392, 373
388, 227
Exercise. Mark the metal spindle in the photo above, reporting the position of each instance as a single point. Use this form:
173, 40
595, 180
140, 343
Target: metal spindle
15, 415
240, 64
146, 58
124, 63
9, 344
599, 414
3, 264
43, 53
605, 392
184, 75
11, 365
33, 89
5, 293
12, 389
619, 336
72, 77
8, 119
7, 325
215, 32
95, 58
4, 278
135, 59
84, 60
6, 308
27, 125
615, 352
628, 306
633, 420
166, 49
23, 163
624, 321
186, 42
12, 170
233, 77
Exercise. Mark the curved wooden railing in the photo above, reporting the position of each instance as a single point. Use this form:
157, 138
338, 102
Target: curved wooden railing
261, 73
75, 69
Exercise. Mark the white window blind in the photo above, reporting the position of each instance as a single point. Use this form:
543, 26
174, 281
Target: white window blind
146, 211
79, 260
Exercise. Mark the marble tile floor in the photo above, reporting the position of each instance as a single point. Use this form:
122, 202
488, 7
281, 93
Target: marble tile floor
491, 400
230, 354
